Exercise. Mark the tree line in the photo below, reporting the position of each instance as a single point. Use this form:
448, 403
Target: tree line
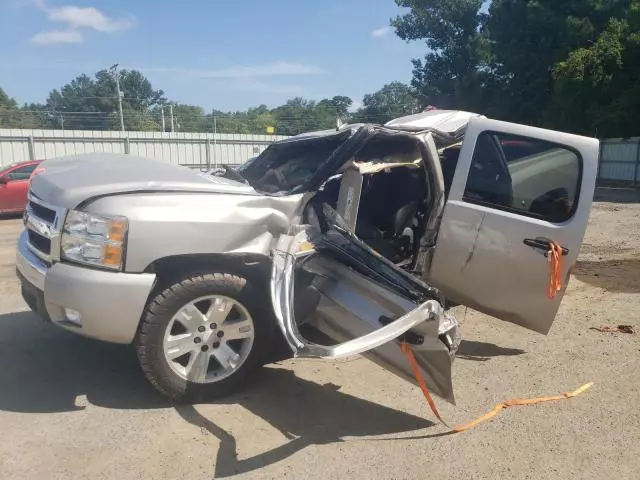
572, 65
91, 103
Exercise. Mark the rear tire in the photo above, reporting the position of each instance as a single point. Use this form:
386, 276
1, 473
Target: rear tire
203, 336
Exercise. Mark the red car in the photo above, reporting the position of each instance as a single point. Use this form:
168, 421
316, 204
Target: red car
14, 185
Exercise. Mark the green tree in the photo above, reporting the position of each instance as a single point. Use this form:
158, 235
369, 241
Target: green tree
186, 118
11, 116
338, 105
89, 104
259, 119
393, 100
453, 71
8, 109
596, 88
300, 115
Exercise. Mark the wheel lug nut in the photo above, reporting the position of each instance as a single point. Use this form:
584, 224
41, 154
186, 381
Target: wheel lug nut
220, 334
215, 345
201, 329
213, 326
197, 340
204, 348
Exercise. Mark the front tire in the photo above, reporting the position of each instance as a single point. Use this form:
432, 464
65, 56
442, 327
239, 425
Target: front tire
203, 336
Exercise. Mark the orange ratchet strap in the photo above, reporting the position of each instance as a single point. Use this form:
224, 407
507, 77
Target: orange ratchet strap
509, 403
554, 256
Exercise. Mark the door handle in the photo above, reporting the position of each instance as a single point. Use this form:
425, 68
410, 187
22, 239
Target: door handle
543, 244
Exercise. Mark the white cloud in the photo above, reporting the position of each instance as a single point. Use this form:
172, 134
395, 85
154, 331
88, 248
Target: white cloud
88, 17
274, 69
52, 37
77, 18
381, 32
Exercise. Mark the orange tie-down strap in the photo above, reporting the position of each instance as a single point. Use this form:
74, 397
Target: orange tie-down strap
554, 257
509, 403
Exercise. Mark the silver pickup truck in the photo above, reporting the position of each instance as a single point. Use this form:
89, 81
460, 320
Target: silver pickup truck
328, 244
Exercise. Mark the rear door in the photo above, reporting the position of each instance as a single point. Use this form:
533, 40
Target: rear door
515, 189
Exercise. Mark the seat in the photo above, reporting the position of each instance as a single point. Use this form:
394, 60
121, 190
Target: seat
388, 209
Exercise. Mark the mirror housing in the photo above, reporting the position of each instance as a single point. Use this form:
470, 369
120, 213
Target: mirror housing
4, 180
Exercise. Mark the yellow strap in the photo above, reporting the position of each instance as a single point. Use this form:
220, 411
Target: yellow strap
509, 403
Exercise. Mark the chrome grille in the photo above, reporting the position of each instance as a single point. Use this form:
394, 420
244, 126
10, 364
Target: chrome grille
43, 223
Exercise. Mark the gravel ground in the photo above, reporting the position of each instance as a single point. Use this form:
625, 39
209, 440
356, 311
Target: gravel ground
74, 408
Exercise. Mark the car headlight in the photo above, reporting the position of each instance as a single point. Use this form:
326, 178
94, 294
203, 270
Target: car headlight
94, 239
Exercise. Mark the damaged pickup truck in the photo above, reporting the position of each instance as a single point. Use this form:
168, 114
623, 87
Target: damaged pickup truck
328, 244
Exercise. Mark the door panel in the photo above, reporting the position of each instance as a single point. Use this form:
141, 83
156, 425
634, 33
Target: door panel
515, 188
330, 281
13, 195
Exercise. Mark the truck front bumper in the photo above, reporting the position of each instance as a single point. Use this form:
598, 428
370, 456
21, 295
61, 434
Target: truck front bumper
94, 303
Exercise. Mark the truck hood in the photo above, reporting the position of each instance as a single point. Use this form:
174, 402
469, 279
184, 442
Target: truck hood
69, 181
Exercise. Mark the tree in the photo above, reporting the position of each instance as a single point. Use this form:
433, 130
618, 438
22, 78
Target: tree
393, 100
186, 118
300, 115
596, 87
6, 101
8, 109
338, 105
89, 104
452, 73
13, 117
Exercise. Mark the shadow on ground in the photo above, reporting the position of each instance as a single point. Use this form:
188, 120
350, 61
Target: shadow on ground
482, 351
617, 195
10, 216
612, 275
45, 369
306, 413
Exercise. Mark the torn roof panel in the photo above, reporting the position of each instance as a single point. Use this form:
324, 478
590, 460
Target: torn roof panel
451, 123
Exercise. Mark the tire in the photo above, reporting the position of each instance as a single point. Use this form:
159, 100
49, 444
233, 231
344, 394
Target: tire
170, 325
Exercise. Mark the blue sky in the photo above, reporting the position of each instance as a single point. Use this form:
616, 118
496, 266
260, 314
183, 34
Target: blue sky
224, 54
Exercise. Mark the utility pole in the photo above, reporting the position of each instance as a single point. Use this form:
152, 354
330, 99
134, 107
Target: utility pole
164, 129
171, 116
114, 69
215, 134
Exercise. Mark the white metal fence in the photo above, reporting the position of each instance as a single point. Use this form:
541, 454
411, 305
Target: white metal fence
619, 158
197, 150
620, 161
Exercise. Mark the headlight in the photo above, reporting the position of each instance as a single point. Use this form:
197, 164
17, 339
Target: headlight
94, 239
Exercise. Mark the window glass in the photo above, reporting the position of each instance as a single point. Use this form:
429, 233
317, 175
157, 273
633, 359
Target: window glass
286, 166
21, 173
524, 175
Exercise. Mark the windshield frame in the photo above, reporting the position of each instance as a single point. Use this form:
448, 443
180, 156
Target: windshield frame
324, 167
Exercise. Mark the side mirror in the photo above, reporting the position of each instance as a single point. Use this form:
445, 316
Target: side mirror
4, 180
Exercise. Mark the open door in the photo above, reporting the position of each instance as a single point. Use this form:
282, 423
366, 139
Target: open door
515, 189
325, 280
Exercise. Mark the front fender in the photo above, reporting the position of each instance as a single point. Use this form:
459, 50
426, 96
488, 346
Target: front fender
172, 224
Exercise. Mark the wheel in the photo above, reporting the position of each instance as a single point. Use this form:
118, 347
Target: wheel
203, 336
